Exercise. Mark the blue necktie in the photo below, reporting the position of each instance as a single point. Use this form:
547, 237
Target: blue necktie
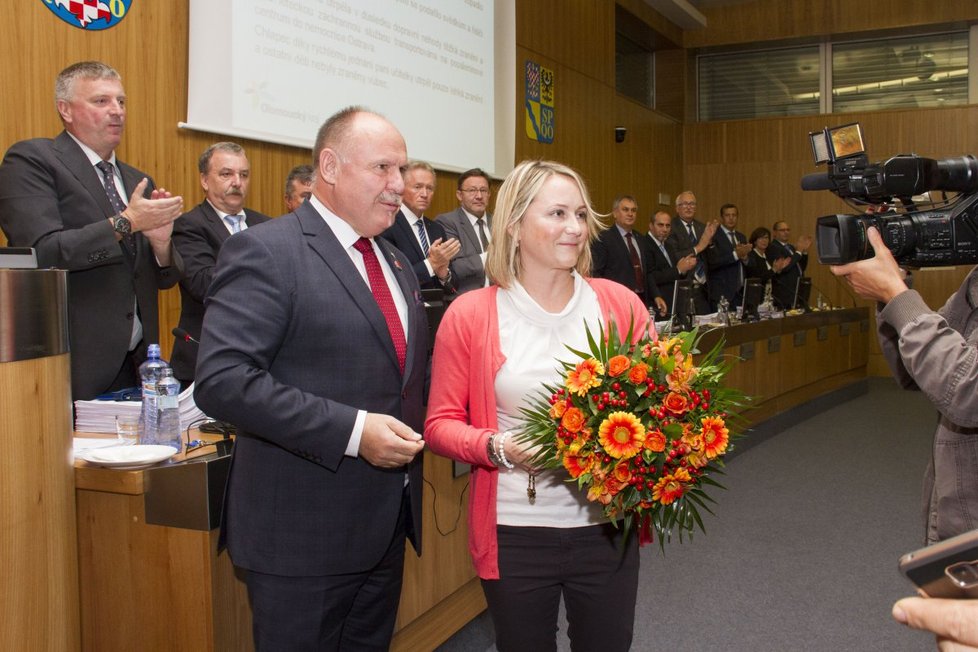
234, 221
422, 236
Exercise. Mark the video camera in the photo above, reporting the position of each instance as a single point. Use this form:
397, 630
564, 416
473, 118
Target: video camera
943, 234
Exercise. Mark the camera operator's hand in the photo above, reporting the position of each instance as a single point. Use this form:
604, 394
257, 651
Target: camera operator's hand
955, 622
878, 278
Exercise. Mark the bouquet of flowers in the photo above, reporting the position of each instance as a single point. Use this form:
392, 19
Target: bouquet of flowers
640, 427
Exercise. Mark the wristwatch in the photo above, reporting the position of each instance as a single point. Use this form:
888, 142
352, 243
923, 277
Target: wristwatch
121, 225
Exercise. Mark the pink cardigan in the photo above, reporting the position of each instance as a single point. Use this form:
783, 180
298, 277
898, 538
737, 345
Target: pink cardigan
462, 402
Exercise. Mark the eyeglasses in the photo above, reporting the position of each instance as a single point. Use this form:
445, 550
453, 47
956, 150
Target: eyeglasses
476, 191
686, 203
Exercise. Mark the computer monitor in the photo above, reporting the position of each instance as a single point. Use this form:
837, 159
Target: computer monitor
803, 293
753, 296
435, 305
683, 308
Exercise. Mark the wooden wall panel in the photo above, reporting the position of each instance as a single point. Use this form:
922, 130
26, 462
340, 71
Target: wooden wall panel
576, 39
771, 20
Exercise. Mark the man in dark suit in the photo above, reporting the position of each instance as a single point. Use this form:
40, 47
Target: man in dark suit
422, 240
784, 284
314, 346
624, 255
198, 235
725, 260
667, 265
471, 225
67, 198
691, 236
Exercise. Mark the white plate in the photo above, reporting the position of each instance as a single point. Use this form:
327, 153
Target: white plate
128, 457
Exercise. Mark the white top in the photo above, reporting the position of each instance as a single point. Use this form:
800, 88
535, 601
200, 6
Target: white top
532, 340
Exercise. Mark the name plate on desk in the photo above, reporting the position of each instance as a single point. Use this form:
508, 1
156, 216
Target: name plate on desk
189, 494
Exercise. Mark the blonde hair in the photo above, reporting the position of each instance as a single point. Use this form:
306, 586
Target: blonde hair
518, 191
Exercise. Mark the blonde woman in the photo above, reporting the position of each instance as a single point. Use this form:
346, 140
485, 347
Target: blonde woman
495, 348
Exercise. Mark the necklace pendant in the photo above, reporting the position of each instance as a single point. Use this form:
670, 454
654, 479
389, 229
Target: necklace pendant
531, 489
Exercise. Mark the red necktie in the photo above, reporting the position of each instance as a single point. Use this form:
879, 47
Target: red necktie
382, 295
636, 264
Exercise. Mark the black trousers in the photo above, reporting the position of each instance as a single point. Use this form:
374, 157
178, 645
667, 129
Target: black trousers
354, 611
597, 578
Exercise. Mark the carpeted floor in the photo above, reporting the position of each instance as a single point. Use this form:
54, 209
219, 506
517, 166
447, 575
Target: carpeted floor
802, 552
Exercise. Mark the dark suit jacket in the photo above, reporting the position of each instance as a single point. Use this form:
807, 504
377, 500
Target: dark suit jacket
52, 199
402, 235
662, 272
293, 345
684, 246
725, 276
757, 267
611, 259
679, 237
467, 266
198, 236
784, 284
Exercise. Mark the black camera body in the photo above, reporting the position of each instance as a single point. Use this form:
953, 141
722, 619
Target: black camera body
942, 236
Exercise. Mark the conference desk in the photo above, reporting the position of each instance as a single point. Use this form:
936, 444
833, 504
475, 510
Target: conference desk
157, 586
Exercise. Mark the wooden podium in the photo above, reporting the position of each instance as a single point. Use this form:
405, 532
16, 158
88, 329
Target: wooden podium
38, 563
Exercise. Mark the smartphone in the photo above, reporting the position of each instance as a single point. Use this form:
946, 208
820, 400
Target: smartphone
948, 569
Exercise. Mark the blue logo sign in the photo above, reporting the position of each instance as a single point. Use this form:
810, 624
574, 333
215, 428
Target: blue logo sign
89, 14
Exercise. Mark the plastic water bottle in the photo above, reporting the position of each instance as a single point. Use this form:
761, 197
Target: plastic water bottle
168, 410
150, 373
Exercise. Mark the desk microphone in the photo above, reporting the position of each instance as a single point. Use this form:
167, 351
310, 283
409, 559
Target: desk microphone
184, 335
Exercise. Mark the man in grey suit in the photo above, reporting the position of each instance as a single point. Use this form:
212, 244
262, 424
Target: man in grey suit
225, 176
314, 345
85, 211
471, 225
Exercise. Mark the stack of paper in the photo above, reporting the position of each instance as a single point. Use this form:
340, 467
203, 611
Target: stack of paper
99, 416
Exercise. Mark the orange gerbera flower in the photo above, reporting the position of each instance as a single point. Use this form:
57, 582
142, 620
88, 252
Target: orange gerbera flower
585, 376
655, 441
671, 486
676, 404
578, 464
573, 420
618, 365
715, 436
638, 373
622, 435
557, 409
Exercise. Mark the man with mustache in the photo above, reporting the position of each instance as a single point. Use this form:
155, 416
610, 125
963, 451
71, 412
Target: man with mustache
198, 236
103, 221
